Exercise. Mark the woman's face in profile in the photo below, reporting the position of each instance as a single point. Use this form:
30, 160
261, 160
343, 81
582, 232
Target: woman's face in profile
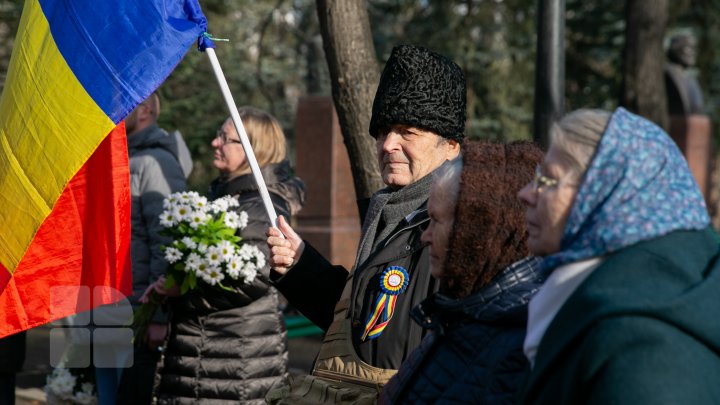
442, 216
548, 199
229, 155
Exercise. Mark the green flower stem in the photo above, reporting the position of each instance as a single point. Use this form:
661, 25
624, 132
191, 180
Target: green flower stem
143, 315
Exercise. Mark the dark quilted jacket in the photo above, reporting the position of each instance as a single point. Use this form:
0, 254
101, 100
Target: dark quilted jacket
231, 347
474, 354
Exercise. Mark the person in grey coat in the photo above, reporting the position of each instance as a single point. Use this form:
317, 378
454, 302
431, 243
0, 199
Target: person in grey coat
159, 165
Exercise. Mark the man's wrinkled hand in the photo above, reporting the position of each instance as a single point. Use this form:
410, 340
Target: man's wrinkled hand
284, 252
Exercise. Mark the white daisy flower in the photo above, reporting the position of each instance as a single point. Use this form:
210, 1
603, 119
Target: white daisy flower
259, 259
187, 197
202, 267
248, 275
234, 265
61, 382
200, 203
182, 212
232, 220
173, 254
232, 202
193, 261
167, 219
213, 275
219, 205
170, 201
198, 218
243, 220
188, 242
251, 253
202, 247
214, 256
226, 249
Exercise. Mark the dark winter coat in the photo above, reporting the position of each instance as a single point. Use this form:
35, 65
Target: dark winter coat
314, 286
474, 354
12, 352
641, 329
231, 347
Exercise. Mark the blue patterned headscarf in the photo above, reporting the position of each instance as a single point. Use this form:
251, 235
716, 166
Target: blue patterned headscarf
638, 187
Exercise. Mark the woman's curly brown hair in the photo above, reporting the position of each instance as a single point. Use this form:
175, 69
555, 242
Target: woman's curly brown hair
489, 232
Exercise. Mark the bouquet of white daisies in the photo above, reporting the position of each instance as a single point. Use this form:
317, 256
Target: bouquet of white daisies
204, 248
70, 386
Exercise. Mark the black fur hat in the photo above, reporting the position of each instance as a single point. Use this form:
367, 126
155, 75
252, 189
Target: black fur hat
421, 88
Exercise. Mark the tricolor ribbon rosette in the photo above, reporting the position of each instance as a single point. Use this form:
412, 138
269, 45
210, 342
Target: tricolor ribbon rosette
393, 282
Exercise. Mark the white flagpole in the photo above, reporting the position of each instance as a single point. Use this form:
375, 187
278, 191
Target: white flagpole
269, 208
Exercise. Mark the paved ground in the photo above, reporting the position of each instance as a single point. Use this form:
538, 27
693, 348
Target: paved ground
302, 352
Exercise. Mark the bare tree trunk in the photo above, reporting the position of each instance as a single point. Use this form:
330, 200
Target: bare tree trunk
350, 53
644, 84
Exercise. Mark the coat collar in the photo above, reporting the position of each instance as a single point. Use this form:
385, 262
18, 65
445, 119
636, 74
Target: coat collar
272, 174
419, 219
505, 297
613, 290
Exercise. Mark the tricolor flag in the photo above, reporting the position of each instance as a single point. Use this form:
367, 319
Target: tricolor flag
77, 69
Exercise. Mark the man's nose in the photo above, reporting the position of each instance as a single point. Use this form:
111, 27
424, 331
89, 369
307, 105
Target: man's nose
390, 143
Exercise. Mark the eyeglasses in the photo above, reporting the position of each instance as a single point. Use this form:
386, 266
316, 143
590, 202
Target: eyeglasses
540, 181
224, 138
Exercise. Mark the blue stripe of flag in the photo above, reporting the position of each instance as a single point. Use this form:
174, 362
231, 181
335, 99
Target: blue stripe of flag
121, 50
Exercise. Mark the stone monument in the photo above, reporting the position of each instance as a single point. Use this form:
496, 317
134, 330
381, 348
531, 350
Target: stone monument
689, 126
329, 220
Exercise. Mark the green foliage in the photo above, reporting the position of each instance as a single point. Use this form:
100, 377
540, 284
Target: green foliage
492, 41
10, 11
595, 37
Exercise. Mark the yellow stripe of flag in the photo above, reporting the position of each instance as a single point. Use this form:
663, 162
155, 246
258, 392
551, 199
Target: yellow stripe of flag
49, 127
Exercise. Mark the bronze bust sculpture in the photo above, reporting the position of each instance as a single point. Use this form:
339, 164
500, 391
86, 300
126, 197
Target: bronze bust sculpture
684, 94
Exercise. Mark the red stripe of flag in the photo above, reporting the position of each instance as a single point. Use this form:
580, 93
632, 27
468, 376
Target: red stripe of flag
85, 241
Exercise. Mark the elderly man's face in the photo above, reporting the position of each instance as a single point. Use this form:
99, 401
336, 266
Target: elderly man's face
406, 154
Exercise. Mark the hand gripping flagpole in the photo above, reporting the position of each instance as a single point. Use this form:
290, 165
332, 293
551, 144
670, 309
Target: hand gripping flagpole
250, 155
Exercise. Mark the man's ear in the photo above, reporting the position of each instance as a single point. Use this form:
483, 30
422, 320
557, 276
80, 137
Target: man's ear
452, 149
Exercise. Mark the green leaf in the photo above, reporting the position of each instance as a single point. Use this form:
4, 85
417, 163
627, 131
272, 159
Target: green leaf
185, 285
169, 281
192, 280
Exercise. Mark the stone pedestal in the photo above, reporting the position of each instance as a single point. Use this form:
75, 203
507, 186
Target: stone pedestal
329, 220
692, 134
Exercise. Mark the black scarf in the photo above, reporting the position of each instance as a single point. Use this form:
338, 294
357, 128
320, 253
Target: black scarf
387, 209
